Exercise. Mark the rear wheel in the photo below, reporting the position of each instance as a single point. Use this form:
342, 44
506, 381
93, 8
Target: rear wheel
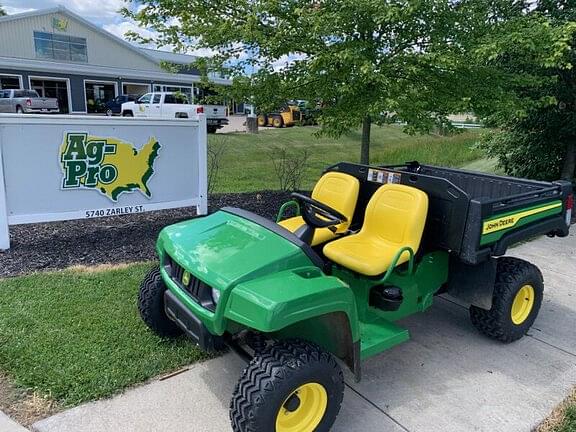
277, 122
518, 295
291, 386
127, 114
151, 305
262, 120
19, 110
109, 112
212, 129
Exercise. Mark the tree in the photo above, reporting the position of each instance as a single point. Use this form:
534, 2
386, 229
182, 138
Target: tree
371, 61
365, 61
2, 11
539, 140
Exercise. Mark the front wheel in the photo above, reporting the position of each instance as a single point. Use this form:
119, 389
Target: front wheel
290, 386
518, 294
19, 110
151, 305
277, 122
109, 112
211, 129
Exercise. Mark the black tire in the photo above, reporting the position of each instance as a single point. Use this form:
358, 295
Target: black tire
127, 114
151, 305
278, 122
497, 323
269, 382
212, 129
262, 120
109, 112
19, 110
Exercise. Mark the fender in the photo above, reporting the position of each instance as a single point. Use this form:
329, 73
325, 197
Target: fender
303, 303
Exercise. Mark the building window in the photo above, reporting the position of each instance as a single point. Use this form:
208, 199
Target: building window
9, 82
60, 47
174, 89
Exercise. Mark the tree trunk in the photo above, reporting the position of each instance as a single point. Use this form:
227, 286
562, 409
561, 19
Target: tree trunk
569, 167
365, 149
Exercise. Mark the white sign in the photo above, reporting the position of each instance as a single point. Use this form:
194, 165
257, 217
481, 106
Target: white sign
56, 167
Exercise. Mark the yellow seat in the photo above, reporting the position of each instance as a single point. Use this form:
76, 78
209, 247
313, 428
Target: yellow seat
395, 218
337, 190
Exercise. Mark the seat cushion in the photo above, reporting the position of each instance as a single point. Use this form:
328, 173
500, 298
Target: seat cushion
364, 254
395, 218
321, 235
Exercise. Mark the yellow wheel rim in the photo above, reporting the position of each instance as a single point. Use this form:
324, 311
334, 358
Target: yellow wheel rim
523, 304
303, 410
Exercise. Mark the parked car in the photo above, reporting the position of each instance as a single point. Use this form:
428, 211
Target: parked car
115, 105
174, 105
26, 101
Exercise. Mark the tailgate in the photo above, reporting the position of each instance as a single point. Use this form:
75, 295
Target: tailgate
44, 103
215, 111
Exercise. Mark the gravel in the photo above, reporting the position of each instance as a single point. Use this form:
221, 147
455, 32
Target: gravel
111, 240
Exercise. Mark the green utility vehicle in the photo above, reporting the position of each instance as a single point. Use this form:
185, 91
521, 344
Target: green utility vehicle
371, 246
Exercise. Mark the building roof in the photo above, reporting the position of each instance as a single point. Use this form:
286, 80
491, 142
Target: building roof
168, 56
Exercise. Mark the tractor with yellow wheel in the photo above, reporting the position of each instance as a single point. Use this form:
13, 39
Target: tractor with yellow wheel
329, 285
287, 116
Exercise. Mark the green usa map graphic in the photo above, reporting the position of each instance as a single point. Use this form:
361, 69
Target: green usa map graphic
108, 165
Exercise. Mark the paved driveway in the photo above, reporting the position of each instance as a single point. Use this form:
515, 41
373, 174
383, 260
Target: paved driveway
446, 378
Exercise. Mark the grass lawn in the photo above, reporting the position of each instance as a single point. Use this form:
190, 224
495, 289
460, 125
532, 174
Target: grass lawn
246, 165
76, 335
563, 419
569, 424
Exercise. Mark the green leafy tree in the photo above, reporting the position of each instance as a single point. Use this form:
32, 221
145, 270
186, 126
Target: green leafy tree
537, 138
365, 60
2, 11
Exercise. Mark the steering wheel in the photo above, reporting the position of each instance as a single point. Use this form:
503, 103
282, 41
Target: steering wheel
317, 214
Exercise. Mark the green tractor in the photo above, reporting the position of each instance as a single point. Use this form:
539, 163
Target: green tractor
324, 288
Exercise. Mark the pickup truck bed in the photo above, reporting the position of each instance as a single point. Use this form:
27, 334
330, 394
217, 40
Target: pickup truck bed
473, 215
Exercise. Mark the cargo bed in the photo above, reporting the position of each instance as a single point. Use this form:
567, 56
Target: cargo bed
473, 215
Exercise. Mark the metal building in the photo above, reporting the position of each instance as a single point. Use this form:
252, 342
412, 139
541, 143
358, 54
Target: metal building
60, 54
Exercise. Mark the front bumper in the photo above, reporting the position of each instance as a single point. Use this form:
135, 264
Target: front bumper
188, 322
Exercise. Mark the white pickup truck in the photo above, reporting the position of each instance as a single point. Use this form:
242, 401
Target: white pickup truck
175, 105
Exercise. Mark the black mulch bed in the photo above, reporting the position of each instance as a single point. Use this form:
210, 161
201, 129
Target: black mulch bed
117, 239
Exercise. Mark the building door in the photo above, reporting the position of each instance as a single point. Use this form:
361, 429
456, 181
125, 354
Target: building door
97, 94
53, 88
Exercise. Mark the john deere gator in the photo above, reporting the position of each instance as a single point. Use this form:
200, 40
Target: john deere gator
299, 297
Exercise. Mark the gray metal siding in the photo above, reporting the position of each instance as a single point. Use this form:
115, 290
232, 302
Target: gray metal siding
17, 38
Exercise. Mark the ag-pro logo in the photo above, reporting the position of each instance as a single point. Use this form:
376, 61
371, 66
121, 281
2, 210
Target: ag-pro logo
108, 165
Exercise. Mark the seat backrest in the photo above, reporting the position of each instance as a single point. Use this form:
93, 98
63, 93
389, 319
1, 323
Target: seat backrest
397, 215
339, 191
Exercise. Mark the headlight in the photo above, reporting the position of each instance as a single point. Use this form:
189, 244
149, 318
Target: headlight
215, 295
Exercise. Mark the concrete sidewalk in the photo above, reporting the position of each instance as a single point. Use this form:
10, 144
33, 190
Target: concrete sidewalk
446, 378
8, 425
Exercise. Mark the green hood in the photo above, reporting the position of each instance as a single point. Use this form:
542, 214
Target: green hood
224, 249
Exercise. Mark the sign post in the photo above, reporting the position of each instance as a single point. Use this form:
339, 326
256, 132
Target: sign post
55, 168
4, 232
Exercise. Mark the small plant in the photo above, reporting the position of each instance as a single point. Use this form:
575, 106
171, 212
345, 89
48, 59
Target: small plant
289, 167
216, 151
